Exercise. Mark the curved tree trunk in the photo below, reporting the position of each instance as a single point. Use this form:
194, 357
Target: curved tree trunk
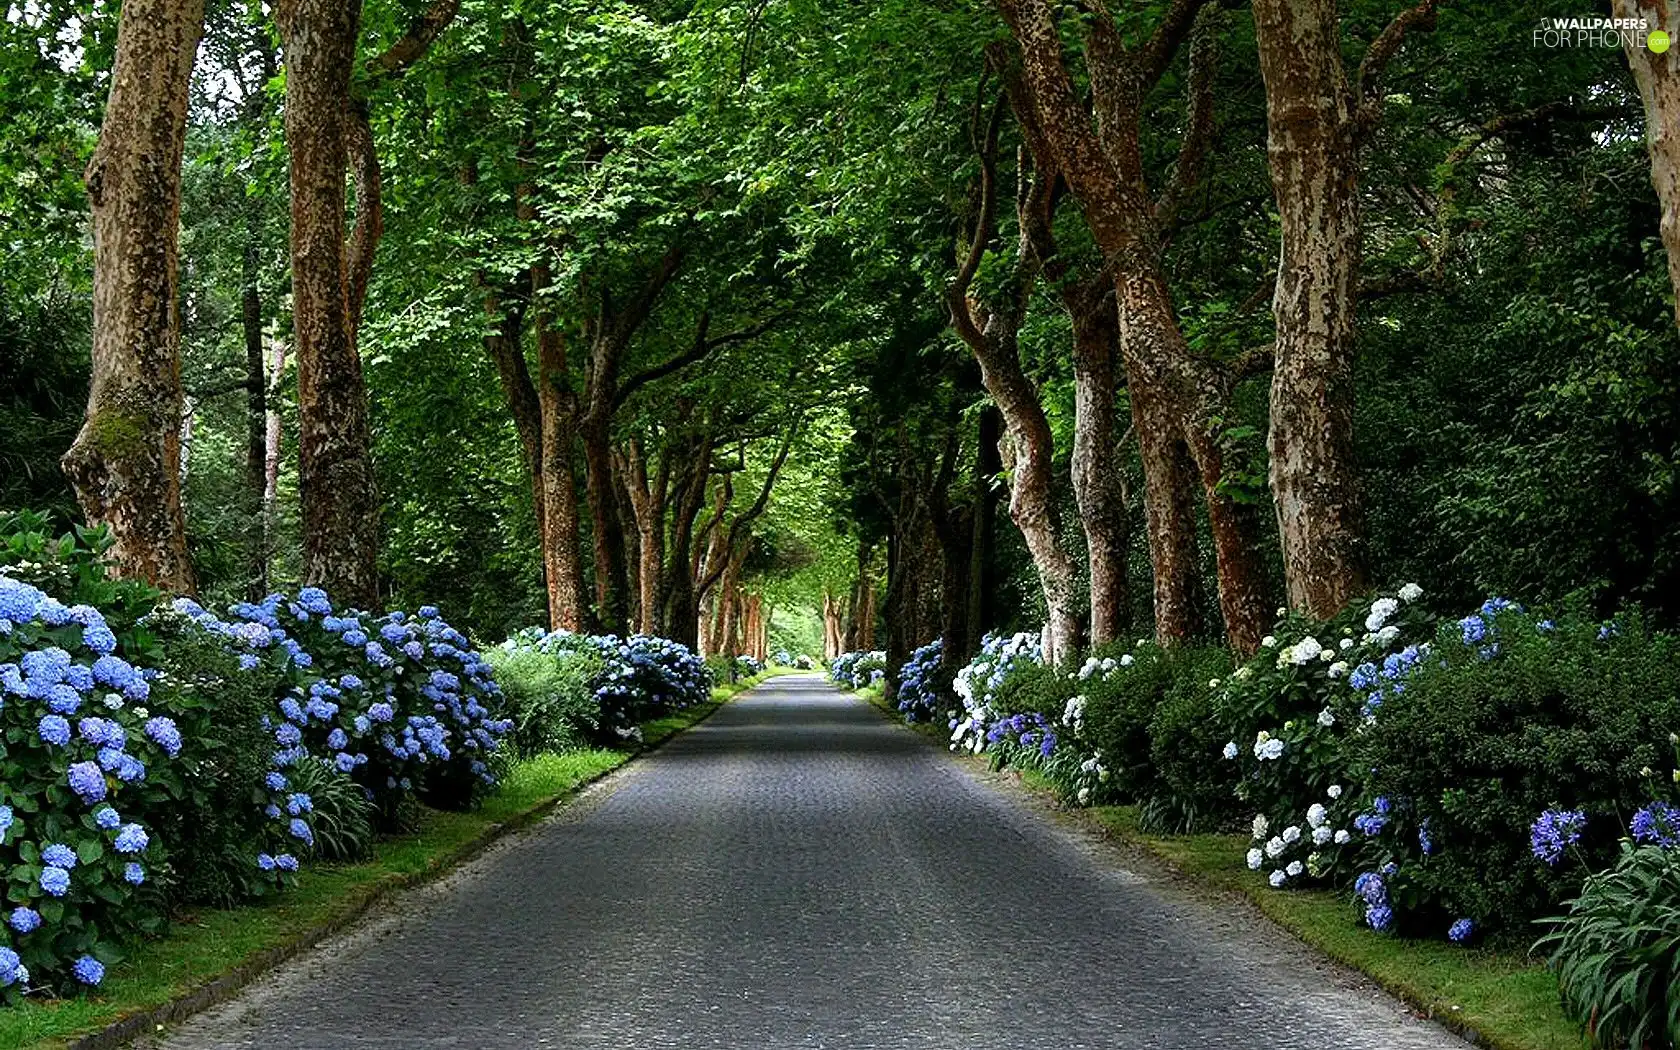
1658, 77
125, 463
562, 537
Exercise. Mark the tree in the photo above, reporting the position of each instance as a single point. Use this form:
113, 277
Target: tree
1318, 122
1178, 398
1658, 76
126, 461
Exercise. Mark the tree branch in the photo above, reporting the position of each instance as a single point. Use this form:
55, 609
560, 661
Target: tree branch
703, 348
985, 223
370, 213
1368, 81
1155, 56
414, 43
1198, 129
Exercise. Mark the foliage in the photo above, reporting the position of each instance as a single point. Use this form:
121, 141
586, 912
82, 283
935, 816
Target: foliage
1617, 951
549, 695
341, 815
1511, 721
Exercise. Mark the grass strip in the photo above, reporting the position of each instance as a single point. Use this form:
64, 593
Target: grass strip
209, 955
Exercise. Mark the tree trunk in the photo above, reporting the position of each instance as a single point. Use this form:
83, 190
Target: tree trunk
125, 463
562, 537
1313, 150
1658, 77
271, 444
1098, 484
335, 468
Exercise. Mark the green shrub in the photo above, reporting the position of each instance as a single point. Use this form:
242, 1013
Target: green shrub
1122, 705
1507, 716
549, 696
1617, 951
1188, 790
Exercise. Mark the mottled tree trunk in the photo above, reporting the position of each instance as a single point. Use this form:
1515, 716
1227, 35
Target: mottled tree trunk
1313, 150
831, 627
1099, 487
125, 463
1658, 77
647, 505
335, 467
271, 444
987, 466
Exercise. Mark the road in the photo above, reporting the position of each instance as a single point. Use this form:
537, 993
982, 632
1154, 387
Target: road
799, 872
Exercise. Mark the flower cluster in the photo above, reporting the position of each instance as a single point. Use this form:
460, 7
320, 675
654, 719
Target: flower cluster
919, 692
977, 683
857, 669
747, 666
1311, 849
77, 750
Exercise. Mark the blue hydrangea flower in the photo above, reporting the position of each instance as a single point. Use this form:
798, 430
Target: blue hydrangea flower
9, 961
337, 739
134, 874
276, 781
164, 733
299, 803
301, 832
99, 639
59, 855
265, 862
1473, 629
132, 839
54, 729
1380, 917
107, 818
6, 820
24, 920
88, 970
344, 762
288, 735
55, 881
286, 862
314, 599
1460, 931
87, 780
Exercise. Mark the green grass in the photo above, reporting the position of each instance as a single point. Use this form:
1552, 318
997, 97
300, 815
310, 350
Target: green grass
1501, 1000
209, 944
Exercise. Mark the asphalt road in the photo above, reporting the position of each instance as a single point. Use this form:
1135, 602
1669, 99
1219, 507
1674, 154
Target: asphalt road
798, 872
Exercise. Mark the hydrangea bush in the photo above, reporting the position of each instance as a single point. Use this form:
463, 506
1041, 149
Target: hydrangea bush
640, 677
80, 754
919, 689
1503, 762
858, 669
1291, 708
979, 681
400, 703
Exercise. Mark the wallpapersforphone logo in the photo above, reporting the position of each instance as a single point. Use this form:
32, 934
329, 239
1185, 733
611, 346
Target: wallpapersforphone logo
1601, 32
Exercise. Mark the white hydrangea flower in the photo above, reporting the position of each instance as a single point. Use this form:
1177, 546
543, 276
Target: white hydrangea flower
1213, 683
1084, 796
1244, 672
1255, 859
1261, 826
1126, 661
1334, 791
1346, 643
1268, 747
1275, 847
1322, 834
1342, 837
1381, 610
1388, 634
1326, 718
1305, 651
1326, 655
1292, 834
1294, 869
1277, 879
1411, 592
1338, 669
1269, 642
1316, 814
1230, 751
